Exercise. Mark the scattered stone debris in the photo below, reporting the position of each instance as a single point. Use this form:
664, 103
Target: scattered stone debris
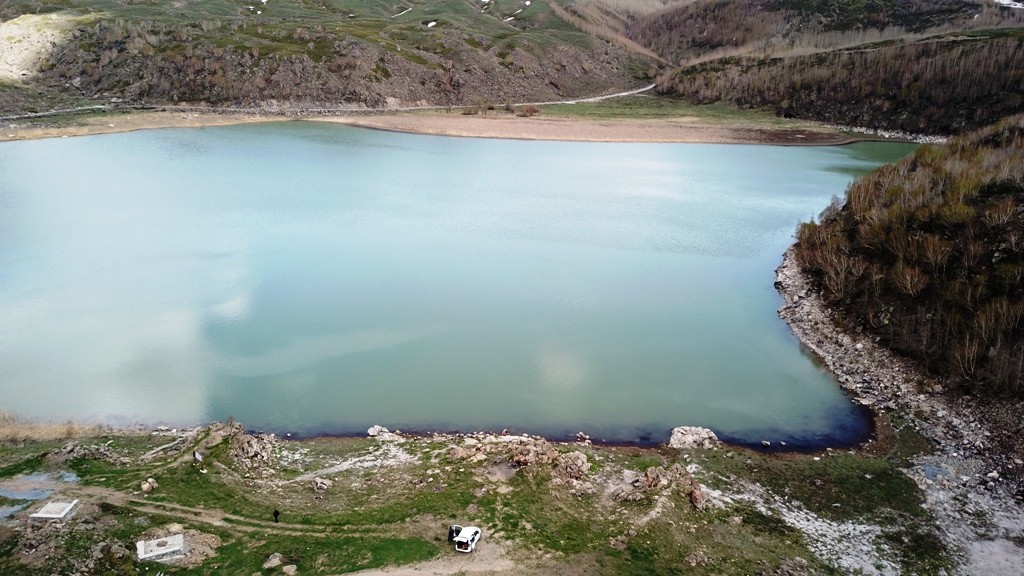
572, 469
639, 486
698, 558
573, 465
74, 449
526, 451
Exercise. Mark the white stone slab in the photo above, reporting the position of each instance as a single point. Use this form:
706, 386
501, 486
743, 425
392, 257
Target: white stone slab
161, 548
54, 510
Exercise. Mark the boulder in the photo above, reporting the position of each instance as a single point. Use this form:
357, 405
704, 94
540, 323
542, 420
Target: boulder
698, 497
273, 561
687, 437
321, 484
290, 570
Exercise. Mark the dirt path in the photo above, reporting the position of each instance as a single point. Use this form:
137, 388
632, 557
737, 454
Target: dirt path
489, 559
210, 516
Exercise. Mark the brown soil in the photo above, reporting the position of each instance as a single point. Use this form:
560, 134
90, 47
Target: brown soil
20, 130
679, 129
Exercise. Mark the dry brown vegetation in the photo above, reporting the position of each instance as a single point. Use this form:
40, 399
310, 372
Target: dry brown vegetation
16, 429
932, 87
929, 255
920, 66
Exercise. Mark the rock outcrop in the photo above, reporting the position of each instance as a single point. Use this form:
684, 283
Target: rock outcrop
687, 437
254, 452
321, 485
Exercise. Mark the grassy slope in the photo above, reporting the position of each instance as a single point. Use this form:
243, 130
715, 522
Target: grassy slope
391, 514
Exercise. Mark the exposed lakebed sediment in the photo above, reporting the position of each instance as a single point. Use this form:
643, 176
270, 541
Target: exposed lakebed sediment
972, 477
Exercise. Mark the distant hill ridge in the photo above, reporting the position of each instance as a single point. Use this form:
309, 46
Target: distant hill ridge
924, 66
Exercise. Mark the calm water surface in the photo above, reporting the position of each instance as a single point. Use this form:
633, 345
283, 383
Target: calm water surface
316, 278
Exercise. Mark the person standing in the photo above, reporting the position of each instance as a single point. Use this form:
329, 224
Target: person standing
277, 514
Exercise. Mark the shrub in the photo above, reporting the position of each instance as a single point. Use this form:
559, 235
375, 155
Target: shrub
929, 254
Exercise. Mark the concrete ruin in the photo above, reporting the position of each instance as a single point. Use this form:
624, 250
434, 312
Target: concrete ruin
54, 511
162, 549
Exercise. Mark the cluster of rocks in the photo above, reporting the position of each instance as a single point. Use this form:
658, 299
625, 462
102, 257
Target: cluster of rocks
75, 449
518, 452
530, 452
113, 549
148, 485
254, 452
383, 434
657, 479
892, 134
572, 470
43, 543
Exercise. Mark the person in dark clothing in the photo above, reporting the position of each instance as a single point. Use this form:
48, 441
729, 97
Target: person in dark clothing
277, 513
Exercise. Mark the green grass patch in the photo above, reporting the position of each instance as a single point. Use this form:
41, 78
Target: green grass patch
839, 486
23, 466
919, 550
102, 473
313, 555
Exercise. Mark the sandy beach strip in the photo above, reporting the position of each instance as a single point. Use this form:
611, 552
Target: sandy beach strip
677, 129
494, 125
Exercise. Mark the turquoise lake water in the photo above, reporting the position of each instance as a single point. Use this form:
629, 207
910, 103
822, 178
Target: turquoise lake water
313, 278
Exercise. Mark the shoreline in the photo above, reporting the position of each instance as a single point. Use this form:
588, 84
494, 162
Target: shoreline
967, 474
498, 124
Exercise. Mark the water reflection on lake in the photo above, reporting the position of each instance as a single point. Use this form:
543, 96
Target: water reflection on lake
310, 278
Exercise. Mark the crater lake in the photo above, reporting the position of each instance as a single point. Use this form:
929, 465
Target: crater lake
312, 278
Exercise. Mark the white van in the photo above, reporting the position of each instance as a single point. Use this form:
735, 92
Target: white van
465, 538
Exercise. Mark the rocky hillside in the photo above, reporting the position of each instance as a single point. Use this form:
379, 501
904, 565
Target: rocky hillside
330, 54
928, 254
